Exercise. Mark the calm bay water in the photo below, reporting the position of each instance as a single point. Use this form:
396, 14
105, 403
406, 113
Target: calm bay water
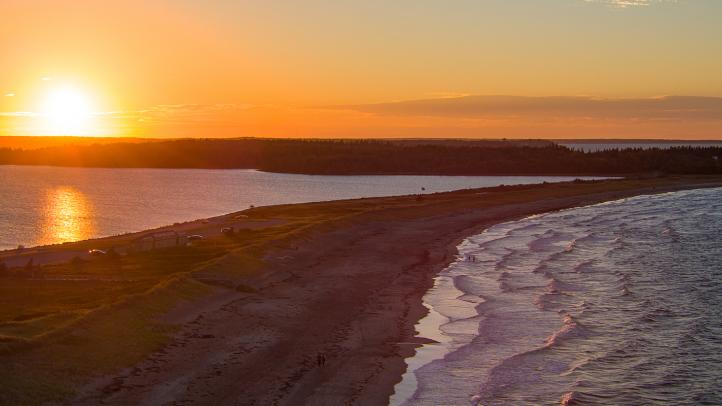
46, 205
613, 304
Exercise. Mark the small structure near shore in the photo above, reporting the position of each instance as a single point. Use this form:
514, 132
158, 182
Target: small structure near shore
158, 240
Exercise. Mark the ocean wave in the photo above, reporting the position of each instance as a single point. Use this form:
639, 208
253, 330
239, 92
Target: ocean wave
638, 304
570, 399
543, 269
570, 329
506, 259
557, 287
546, 241
542, 301
584, 266
526, 229
470, 285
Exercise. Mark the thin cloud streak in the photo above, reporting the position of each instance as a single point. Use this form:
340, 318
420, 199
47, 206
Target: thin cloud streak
676, 117
629, 3
660, 108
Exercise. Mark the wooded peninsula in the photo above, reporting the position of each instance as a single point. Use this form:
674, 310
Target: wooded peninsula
373, 157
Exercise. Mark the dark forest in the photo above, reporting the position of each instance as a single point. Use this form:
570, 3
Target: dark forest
354, 157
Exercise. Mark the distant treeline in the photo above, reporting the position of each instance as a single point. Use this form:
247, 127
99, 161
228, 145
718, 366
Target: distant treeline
374, 157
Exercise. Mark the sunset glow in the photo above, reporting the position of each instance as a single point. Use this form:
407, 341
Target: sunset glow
367, 202
357, 69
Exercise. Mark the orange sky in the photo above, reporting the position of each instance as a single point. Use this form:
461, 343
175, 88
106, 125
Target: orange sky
371, 68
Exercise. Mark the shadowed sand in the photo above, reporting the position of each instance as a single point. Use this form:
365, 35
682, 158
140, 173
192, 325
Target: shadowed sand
350, 288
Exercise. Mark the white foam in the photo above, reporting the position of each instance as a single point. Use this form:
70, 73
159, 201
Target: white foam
489, 336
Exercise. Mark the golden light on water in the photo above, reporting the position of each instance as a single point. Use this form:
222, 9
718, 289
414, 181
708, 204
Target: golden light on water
67, 216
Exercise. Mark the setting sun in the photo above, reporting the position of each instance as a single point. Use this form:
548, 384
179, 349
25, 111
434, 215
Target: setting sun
67, 111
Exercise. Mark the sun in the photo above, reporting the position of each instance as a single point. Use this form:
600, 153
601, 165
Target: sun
67, 110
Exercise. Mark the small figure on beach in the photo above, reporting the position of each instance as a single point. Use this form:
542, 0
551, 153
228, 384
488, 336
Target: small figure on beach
321, 359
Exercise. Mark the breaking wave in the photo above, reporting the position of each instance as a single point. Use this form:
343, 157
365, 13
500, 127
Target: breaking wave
617, 303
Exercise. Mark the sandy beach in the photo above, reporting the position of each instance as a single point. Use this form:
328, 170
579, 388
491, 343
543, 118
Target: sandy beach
348, 288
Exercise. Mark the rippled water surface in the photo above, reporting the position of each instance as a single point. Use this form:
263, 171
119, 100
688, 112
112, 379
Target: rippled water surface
613, 304
46, 205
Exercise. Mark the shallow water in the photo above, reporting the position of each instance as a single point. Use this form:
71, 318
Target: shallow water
613, 304
47, 205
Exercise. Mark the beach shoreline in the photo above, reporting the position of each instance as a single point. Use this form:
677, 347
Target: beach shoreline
350, 289
475, 314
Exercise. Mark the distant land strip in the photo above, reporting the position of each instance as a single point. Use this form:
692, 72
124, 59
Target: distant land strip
373, 157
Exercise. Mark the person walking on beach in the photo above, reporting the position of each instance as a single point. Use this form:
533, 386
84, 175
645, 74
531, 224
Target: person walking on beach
321, 359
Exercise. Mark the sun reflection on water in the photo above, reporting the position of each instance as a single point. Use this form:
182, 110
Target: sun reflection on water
67, 216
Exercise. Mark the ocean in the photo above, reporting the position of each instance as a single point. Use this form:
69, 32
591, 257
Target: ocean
617, 303
49, 205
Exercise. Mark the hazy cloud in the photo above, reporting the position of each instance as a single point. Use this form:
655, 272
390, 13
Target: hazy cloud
660, 108
17, 114
629, 3
188, 112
